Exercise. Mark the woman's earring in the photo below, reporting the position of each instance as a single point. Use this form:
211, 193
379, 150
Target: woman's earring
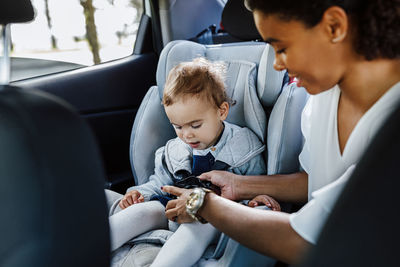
337, 39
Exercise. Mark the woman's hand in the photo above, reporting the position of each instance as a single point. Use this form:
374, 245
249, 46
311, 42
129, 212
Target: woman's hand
226, 181
176, 208
130, 198
265, 200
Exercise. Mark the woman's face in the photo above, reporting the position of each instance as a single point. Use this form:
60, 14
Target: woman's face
309, 54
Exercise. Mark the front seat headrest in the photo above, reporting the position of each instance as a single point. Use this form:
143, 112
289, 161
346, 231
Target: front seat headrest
51, 185
243, 28
15, 11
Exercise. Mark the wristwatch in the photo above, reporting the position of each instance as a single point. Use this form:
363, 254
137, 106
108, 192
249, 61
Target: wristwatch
195, 201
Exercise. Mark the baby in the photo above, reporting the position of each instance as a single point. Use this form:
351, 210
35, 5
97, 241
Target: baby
196, 104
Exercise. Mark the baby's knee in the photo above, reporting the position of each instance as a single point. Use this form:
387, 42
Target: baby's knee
113, 199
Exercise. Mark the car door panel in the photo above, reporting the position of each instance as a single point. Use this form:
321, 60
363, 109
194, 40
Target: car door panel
107, 96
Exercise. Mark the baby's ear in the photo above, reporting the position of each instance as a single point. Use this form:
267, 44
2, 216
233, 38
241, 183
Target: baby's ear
223, 110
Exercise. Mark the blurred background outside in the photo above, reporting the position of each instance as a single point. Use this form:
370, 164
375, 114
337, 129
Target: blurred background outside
83, 32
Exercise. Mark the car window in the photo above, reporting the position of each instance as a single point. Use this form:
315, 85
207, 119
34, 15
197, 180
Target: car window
71, 34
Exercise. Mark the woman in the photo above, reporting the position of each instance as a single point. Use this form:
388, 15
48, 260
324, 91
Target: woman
346, 54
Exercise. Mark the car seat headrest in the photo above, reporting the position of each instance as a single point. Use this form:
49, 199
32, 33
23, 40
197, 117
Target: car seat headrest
269, 81
238, 21
15, 11
174, 53
251, 79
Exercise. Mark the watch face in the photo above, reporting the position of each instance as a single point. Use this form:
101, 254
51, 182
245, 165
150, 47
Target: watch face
193, 201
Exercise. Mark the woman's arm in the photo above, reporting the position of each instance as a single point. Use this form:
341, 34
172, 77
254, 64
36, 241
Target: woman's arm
268, 232
285, 187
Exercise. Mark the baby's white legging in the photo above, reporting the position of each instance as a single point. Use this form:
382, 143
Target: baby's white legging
135, 220
183, 248
186, 246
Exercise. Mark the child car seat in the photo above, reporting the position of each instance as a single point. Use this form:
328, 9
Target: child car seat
251, 81
152, 128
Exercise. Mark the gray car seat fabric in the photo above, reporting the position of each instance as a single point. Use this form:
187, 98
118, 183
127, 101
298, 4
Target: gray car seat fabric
284, 139
150, 131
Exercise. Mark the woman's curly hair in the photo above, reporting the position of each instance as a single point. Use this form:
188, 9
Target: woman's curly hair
375, 23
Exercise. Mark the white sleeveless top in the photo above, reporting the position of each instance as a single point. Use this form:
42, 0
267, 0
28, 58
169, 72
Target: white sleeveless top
329, 170
321, 157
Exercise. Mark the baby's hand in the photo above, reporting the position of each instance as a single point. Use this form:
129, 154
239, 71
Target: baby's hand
130, 198
265, 200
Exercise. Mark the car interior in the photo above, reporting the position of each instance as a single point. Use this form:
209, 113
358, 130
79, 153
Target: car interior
67, 136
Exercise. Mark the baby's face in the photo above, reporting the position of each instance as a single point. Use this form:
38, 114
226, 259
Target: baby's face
198, 123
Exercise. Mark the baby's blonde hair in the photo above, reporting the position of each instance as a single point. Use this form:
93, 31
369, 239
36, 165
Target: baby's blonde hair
199, 77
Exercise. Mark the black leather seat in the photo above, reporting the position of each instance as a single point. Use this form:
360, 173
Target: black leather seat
51, 177
364, 227
239, 22
237, 25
